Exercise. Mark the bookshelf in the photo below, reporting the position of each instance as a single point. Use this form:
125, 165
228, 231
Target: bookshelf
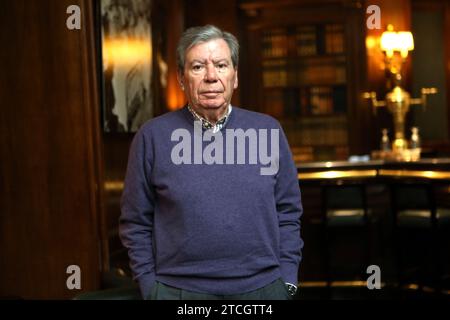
305, 85
301, 71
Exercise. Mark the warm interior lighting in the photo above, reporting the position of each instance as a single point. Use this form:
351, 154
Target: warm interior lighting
174, 95
126, 52
371, 42
405, 43
398, 100
388, 41
392, 41
175, 98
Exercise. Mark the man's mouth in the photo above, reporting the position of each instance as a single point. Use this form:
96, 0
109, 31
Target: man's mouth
211, 94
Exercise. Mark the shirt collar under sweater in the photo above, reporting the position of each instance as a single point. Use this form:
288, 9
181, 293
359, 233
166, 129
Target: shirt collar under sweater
207, 124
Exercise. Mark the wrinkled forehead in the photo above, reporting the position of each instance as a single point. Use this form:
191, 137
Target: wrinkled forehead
215, 49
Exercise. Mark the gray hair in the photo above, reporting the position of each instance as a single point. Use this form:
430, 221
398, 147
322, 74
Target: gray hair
196, 35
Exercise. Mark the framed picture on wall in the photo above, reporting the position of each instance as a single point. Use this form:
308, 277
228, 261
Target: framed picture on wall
127, 72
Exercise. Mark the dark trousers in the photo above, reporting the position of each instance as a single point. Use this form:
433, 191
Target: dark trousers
276, 290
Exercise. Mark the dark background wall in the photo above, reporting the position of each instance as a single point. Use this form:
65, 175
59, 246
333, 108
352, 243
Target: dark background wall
49, 150
428, 30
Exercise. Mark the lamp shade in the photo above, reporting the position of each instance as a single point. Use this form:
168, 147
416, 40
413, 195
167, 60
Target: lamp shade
389, 42
405, 42
392, 41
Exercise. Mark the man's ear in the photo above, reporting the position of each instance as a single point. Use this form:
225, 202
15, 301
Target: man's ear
180, 79
236, 79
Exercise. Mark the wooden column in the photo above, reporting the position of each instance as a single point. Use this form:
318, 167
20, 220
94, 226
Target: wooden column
50, 208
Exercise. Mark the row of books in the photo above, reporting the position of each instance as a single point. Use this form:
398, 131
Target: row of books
320, 131
275, 44
334, 38
323, 137
280, 76
303, 41
305, 136
321, 100
306, 41
306, 101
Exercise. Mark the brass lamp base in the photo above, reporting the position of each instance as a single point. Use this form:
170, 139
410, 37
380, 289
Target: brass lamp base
398, 102
399, 145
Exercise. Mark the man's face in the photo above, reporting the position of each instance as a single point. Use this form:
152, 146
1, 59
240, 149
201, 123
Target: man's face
209, 77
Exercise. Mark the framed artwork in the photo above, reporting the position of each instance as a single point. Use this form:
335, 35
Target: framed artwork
127, 64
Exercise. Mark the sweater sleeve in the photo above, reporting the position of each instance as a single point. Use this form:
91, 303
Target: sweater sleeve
289, 208
136, 220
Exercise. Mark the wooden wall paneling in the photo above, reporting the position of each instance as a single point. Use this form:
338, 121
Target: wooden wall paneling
92, 93
447, 64
49, 202
359, 114
441, 146
250, 79
174, 25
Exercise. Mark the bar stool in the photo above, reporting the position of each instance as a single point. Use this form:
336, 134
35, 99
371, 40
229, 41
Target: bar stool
416, 216
345, 210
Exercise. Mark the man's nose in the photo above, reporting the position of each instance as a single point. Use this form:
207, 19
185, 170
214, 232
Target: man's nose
211, 73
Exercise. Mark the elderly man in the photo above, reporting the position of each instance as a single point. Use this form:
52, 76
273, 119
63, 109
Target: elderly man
204, 217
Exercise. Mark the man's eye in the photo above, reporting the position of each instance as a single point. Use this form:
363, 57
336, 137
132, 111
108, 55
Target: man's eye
222, 65
197, 68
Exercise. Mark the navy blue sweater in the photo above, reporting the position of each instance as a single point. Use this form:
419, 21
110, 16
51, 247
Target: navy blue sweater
210, 228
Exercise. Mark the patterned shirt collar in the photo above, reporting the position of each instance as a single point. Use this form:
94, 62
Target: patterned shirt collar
207, 125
